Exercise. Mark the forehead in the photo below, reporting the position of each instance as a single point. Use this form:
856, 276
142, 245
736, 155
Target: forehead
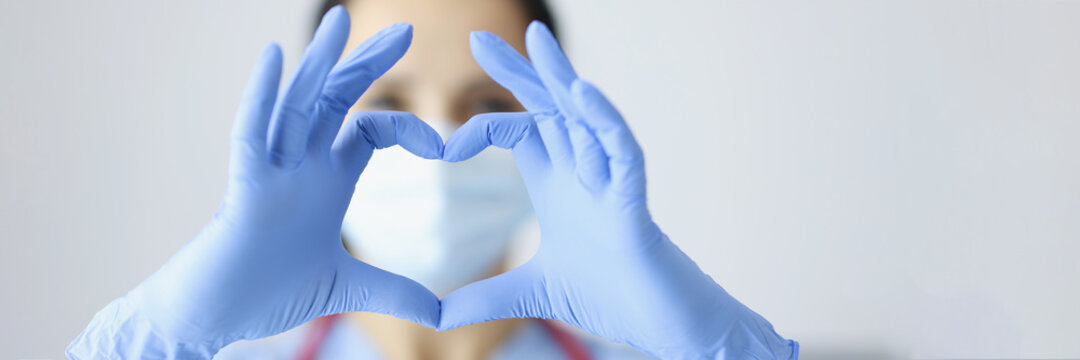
440, 46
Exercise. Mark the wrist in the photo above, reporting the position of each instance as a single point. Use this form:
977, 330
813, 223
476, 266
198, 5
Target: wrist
750, 335
120, 331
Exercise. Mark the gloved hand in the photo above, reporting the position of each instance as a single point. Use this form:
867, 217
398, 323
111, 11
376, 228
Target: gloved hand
272, 257
603, 265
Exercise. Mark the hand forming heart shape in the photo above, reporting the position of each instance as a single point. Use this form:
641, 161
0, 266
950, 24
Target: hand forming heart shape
272, 258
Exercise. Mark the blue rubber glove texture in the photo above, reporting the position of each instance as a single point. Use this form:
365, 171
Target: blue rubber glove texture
272, 256
603, 265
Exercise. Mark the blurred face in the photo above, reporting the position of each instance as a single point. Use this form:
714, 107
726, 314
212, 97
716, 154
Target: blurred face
451, 222
437, 78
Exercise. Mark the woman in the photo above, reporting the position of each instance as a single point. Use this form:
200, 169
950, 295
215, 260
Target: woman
464, 213
272, 258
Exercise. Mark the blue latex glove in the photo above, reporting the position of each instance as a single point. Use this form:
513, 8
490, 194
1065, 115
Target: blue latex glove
603, 265
272, 257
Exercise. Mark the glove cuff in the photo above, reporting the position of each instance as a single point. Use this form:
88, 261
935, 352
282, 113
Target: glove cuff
754, 336
119, 332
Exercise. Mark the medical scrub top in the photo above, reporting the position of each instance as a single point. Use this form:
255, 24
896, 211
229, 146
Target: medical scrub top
344, 340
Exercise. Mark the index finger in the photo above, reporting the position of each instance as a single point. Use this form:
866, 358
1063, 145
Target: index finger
510, 70
351, 78
291, 122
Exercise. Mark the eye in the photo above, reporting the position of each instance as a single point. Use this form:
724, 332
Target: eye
489, 104
385, 102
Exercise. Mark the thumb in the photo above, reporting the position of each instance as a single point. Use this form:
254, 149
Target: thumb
363, 287
517, 293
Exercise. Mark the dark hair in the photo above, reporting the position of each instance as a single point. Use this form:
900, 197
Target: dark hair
534, 10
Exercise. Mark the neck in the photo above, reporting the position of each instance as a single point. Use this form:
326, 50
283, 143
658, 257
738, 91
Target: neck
399, 339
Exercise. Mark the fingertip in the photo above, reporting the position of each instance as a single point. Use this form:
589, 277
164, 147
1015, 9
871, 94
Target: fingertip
481, 43
552, 65
430, 154
444, 325
407, 30
537, 34
428, 316
436, 147
393, 40
481, 35
452, 150
403, 28
465, 142
417, 136
433, 142
538, 27
433, 307
333, 17
271, 49
334, 13
475, 40
431, 317
270, 57
342, 18
397, 36
449, 320
335, 21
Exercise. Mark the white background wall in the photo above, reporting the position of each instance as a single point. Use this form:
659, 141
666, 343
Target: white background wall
879, 179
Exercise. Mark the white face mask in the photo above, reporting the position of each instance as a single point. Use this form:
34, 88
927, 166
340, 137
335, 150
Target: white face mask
442, 224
